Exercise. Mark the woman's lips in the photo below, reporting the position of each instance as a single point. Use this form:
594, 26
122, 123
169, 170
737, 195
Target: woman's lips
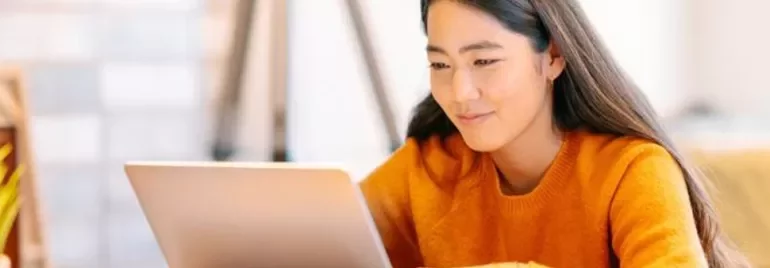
474, 118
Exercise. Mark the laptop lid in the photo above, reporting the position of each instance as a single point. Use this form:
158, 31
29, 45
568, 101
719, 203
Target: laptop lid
256, 215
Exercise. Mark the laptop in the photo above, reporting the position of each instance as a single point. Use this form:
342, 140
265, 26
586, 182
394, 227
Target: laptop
206, 215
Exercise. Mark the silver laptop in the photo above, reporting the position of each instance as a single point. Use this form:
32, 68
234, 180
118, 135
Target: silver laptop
208, 215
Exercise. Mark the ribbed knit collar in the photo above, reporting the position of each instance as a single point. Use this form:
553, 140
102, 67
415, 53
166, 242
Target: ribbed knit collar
551, 185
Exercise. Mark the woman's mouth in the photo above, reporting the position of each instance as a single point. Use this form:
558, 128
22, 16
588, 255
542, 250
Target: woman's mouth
474, 118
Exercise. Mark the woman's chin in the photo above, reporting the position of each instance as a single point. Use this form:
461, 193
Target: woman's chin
482, 143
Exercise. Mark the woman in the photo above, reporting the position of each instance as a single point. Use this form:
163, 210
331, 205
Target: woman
535, 147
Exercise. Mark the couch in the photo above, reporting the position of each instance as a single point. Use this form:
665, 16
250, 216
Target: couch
741, 191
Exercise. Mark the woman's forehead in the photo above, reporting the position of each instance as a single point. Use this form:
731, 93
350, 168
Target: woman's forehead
452, 25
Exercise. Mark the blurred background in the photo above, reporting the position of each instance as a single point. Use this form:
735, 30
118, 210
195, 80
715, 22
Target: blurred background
115, 80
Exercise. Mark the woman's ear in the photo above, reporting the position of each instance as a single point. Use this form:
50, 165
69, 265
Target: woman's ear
555, 62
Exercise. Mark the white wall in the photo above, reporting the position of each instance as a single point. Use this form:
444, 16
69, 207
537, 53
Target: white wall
332, 114
731, 42
648, 38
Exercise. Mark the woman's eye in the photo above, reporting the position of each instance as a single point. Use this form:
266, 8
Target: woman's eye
438, 66
484, 62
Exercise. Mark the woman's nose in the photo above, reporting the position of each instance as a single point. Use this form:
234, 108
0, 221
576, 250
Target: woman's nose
463, 87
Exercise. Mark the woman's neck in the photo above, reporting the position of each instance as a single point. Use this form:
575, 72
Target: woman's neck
523, 162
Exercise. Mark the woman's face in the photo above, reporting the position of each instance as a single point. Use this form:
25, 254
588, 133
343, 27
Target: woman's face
490, 81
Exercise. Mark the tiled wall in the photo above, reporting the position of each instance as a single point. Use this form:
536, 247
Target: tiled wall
111, 81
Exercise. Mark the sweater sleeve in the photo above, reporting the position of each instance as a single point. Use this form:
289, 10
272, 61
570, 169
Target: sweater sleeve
651, 218
386, 192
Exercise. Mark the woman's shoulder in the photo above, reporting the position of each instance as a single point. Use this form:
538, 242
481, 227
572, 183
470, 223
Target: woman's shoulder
609, 163
434, 159
619, 150
615, 169
605, 160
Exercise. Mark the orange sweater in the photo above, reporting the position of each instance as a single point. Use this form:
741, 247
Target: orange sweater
604, 199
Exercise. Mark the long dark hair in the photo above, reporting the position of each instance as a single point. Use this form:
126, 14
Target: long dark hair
593, 93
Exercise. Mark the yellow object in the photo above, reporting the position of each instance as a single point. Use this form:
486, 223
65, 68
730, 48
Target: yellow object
741, 181
9, 196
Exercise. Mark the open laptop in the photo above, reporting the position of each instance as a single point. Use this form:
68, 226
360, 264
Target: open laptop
208, 215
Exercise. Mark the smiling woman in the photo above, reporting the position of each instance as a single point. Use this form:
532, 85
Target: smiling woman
481, 71
534, 146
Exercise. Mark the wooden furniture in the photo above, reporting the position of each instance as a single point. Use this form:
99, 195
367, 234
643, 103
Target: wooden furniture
270, 23
26, 244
